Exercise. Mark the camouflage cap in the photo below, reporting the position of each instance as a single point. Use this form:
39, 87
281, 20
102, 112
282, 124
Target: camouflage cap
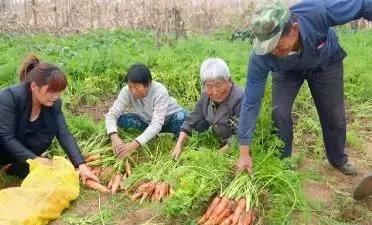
268, 21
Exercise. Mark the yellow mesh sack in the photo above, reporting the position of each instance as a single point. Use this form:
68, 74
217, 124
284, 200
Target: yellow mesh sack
43, 195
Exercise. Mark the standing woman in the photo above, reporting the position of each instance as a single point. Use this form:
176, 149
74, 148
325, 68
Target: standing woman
31, 116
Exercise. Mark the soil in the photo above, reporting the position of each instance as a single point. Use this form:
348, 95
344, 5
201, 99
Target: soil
97, 111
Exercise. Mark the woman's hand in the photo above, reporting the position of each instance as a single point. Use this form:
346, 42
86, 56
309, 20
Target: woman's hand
129, 148
117, 144
86, 173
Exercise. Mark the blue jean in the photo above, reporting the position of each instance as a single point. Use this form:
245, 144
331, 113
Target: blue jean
171, 124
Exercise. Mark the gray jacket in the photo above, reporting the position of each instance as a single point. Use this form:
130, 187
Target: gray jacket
223, 120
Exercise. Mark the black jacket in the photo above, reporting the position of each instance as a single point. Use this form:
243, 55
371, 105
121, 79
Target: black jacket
15, 110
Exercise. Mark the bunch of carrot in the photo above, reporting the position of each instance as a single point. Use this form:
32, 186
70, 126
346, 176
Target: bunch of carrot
156, 191
104, 164
224, 211
113, 173
236, 204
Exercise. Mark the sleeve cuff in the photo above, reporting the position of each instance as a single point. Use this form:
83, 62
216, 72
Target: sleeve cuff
111, 130
141, 140
188, 132
77, 163
245, 141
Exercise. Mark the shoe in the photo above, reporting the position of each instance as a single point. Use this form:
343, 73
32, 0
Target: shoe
347, 169
364, 189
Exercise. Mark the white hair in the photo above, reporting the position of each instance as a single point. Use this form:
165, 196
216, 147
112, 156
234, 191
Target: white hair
214, 69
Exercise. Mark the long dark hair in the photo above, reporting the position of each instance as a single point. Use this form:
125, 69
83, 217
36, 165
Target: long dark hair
32, 70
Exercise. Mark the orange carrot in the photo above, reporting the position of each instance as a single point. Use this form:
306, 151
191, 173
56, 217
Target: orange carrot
209, 211
228, 220
97, 171
225, 213
145, 195
116, 182
96, 186
163, 191
151, 187
241, 218
109, 186
219, 209
248, 218
147, 186
167, 189
254, 215
137, 195
128, 168
238, 211
153, 196
91, 158
157, 191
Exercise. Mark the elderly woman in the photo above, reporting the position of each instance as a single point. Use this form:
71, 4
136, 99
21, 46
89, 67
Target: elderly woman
218, 106
31, 117
154, 111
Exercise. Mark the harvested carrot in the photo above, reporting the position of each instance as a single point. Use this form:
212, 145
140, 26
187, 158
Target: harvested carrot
137, 195
248, 218
116, 182
107, 173
157, 192
91, 158
109, 186
147, 186
219, 209
97, 171
128, 168
96, 186
209, 211
241, 218
238, 211
254, 215
163, 190
225, 213
153, 197
228, 220
167, 189
145, 195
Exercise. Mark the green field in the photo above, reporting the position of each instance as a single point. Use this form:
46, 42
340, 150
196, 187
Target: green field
310, 192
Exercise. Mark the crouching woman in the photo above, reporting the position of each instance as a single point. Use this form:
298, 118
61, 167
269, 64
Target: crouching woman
218, 106
153, 111
31, 117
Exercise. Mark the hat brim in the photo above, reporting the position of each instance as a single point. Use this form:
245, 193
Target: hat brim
265, 47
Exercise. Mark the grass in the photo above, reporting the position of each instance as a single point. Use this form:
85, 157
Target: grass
95, 63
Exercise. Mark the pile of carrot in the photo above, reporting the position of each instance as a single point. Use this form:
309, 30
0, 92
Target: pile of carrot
224, 211
156, 191
107, 172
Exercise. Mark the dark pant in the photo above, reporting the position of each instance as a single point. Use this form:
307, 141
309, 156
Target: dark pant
172, 123
19, 169
327, 90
